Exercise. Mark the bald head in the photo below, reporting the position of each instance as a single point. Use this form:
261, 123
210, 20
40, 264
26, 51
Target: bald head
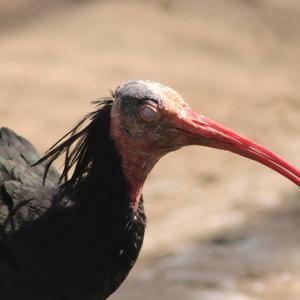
146, 90
150, 120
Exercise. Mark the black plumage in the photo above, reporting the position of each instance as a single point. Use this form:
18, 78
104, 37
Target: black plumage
77, 234
53, 244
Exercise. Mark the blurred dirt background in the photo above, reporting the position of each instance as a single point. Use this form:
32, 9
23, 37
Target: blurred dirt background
220, 226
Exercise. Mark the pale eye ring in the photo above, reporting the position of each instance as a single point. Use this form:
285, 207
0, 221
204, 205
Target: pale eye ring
149, 113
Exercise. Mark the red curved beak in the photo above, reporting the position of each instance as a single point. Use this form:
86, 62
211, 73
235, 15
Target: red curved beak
199, 130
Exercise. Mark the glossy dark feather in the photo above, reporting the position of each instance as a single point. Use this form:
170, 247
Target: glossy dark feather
23, 196
76, 236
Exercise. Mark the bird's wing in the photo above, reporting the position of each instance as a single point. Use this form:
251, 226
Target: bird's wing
23, 196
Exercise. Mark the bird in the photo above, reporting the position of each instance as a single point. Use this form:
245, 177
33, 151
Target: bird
76, 234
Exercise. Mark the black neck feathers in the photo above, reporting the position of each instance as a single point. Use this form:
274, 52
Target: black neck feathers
89, 154
91, 237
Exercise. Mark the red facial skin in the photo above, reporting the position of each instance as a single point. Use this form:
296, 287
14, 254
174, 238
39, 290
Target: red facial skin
177, 125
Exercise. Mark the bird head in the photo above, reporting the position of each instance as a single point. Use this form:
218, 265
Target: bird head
145, 114
150, 120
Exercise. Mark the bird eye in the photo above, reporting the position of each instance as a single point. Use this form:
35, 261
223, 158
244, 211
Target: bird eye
149, 113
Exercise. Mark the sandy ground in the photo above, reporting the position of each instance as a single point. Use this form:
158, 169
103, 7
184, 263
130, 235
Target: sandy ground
220, 226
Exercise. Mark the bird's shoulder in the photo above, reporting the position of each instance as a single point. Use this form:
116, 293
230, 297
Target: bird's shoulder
23, 195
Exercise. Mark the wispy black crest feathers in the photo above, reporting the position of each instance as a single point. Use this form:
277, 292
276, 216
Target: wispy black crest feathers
78, 236
79, 145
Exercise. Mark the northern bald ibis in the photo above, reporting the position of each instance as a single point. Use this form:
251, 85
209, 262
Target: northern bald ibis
77, 234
